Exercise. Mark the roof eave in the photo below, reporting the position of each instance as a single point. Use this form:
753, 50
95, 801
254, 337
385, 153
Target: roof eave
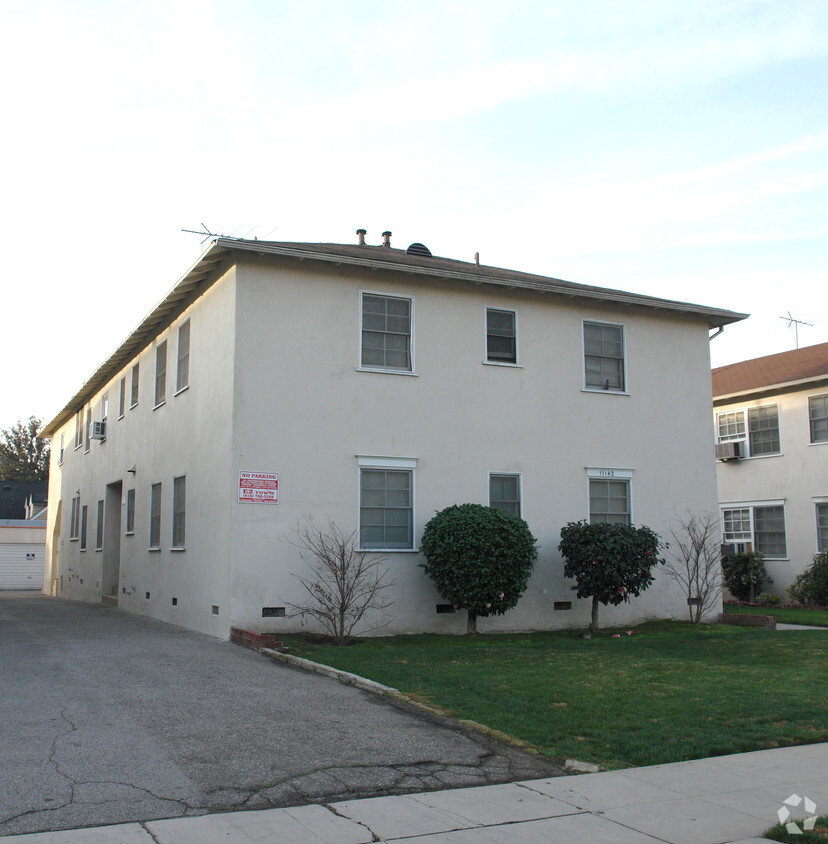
770, 389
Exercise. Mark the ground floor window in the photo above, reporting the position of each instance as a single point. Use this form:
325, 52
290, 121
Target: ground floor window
822, 527
155, 516
99, 527
179, 510
609, 500
504, 493
763, 526
83, 528
386, 503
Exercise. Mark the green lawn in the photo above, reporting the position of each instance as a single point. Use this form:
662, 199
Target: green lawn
785, 615
670, 692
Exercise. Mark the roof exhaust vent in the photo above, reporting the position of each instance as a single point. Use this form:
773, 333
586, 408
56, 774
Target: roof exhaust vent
386, 239
361, 234
418, 249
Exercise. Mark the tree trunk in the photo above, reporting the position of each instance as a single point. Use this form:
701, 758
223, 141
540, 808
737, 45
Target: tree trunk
471, 623
593, 625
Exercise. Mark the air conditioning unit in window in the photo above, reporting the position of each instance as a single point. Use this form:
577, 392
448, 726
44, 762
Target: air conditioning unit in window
734, 450
97, 430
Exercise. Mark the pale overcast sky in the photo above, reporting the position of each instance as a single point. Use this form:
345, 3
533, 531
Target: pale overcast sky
673, 149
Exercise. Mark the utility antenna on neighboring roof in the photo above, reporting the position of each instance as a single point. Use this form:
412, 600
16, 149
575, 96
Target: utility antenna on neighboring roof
205, 231
795, 323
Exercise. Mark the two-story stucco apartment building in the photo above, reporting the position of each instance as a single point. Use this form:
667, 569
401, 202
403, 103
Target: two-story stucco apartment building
771, 416
371, 386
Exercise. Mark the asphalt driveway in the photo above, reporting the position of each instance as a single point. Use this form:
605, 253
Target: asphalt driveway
107, 717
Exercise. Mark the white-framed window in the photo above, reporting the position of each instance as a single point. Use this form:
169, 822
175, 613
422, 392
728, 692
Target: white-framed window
62, 447
387, 338
756, 427
104, 411
83, 521
74, 519
99, 527
818, 418
386, 503
504, 492
155, 517
501, 336
121, 397
79, 428
604, 357
610, 498
182, 376
737, 525
179, 510
160, 373
88, 427
822, 526
133, 393
130, 512
760, 524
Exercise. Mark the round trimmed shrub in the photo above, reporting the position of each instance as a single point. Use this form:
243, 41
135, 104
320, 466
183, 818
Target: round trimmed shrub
479, 558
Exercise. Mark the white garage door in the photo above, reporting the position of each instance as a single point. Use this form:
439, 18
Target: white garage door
21, 566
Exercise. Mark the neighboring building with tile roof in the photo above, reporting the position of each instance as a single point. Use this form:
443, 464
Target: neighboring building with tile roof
371, 386
771, 420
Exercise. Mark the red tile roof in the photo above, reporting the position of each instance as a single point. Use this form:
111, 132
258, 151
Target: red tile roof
798, 365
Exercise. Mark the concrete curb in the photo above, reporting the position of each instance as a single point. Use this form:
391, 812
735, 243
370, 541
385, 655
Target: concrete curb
395, 694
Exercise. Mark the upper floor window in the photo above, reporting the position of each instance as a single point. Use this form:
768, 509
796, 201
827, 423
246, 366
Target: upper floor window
79, 428
160, 372
62, 444
818, 414
504, 493
501, 336
88, 428
386, 333
182, 378
758, 428
604, 357
104, 407
133, 396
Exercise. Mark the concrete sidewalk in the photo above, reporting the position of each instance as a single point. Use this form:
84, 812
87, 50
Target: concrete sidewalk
707, 801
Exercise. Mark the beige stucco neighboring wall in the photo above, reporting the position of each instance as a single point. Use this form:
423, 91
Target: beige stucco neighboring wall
303, 409
797, 478
186, 435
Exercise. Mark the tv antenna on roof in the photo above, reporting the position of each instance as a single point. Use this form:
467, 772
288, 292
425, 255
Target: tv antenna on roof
205, 231
795, 323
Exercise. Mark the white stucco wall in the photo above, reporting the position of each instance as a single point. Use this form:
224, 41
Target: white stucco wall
303, 409
797, 477
275, 386
187, 435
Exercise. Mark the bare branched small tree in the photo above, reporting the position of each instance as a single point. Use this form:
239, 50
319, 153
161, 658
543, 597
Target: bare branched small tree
346, 583
695, 561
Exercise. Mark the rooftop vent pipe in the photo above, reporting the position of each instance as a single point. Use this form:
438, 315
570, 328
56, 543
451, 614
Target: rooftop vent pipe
361, 234
386, 239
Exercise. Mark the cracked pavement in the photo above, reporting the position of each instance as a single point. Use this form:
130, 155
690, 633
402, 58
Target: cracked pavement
107, 717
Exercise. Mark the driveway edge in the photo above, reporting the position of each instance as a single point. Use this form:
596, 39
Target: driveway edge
375, 688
